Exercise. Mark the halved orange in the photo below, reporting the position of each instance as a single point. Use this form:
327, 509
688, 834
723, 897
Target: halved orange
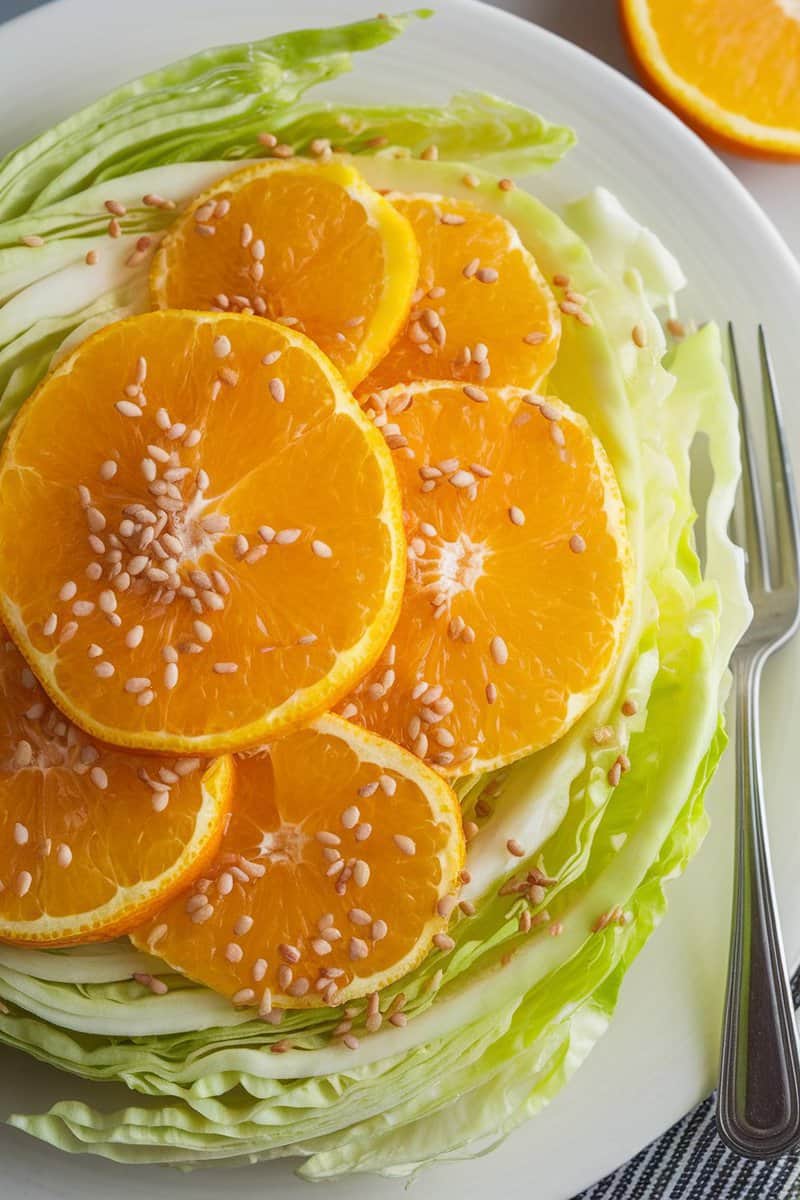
482, 310
518, 590
729, 68
201, 540
336, 875
94, 838
310, 244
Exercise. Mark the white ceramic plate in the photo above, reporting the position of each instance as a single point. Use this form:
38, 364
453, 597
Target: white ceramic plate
660, 1057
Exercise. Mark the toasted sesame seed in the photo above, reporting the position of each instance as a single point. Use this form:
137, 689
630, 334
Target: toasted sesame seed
603, 735
629, 708
443, 942
513, 847
577, 544
639, 336
430, 153
561, 280
505, 185
676, 328
615, 774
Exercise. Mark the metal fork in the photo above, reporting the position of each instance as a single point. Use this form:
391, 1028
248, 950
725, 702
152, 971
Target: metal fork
758, 1101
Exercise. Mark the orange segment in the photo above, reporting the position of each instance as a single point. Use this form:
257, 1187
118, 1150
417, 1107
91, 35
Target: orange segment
518, 589
212, 547
337, 870
310, 244
94, 838
692, 54
482, 310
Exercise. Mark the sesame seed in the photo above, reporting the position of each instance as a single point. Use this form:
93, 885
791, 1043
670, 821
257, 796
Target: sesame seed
443, 942
513, 847
629, 708
505, 185
259, 969
603, 735
499, 651
32, 240
475, 394
676, 328
244, 996
405, 845
321, 549
170, 676
104, 670
289, 953
461, 479
471, 268
487, 275
99, 778
516, 515
452, 219
639, 336
350, 817
358, 948
357, 916
561, 280
577, 544
361, 873
615, 774
470, 830
430, 153
83, 608
534, 338
225, 668
234, 952
491, 693
23, 883
92, 258
286, 537
127, 408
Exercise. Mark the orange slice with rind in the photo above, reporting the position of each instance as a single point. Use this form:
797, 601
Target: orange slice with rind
482, 311
518, 590
337, 875
311, 244
94, 838
213, 547
727, 67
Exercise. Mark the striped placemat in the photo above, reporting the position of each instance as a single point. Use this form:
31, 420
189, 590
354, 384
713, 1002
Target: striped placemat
690, 1162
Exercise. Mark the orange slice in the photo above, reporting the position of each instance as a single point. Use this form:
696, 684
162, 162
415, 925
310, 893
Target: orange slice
482, 310
200, 533
729, 68
94, 838
518, 589
310, 244
336, 875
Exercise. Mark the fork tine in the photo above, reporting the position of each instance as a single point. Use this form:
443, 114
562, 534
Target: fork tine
755, 541
781, 478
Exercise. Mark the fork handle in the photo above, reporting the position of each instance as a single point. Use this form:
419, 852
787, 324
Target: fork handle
758, 1102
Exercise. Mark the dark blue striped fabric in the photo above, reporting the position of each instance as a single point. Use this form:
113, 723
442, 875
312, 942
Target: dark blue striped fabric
690, 1163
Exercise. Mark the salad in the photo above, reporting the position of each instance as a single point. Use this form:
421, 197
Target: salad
362, 680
